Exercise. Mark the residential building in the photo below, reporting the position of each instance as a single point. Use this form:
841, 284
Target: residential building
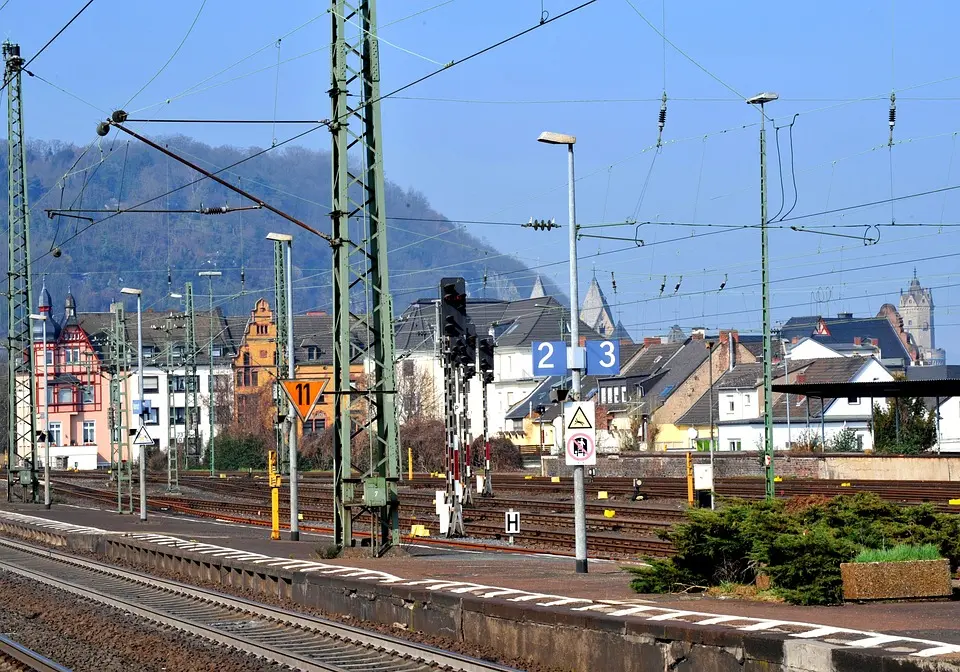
514, 326
848, 335
739, 405
661, 382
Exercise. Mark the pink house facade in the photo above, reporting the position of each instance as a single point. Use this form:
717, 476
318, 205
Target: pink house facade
76, 389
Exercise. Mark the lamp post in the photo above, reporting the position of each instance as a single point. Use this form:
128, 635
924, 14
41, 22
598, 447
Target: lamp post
579, 503
288, 273
143, 449
212, 412
761, 99
46, 415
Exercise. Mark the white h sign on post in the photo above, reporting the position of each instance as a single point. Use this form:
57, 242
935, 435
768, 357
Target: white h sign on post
511, 522
581, 435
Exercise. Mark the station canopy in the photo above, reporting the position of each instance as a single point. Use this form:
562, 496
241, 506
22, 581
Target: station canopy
942, 389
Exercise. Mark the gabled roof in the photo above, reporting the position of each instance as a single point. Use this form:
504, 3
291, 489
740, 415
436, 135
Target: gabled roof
595, 311
678, 368
652, 358
541, 396
538, 290
832, 370
743, 376
845, 330
516, 324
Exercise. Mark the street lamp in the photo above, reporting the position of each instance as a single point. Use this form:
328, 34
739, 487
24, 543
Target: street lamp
46, 414
761, 99
280, 239
211, 413
579, 503
129, 291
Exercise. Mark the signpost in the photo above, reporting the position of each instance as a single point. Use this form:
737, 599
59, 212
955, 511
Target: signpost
304, 393
511, 523
274, 494
581, 434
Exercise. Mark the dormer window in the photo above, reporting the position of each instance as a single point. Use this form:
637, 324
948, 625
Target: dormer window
313, 352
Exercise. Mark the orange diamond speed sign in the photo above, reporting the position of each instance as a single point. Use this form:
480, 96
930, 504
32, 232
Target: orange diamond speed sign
304, 393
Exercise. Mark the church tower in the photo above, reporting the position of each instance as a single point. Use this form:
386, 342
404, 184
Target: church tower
916, 308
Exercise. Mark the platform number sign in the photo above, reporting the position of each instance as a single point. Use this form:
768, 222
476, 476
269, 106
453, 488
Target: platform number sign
549, 358
603, 358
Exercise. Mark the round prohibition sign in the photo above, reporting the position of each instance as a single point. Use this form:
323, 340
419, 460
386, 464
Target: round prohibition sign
580, 447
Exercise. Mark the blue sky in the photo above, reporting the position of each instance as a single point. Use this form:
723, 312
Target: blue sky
466, 138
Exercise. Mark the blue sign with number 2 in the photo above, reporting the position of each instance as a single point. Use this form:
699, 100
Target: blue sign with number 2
549, 358
603, 358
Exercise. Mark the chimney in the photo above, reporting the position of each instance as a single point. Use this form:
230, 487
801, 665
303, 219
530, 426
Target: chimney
795, 340
875, 342
698, 333
316, 313
801, 378
857, 340
651, 340
732, 345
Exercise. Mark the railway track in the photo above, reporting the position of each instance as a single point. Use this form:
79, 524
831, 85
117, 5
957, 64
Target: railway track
15, 657
296, 640
606, 544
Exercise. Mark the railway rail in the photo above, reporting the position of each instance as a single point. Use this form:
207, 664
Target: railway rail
605, 544
299, 641
15, 657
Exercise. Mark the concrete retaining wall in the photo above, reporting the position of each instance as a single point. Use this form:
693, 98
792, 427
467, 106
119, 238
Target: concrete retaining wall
827, 466
562, 640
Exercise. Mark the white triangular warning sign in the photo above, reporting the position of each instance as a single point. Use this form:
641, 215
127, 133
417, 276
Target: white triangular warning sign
579, 420
142, 438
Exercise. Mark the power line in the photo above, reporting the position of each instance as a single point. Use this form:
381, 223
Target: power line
50, 41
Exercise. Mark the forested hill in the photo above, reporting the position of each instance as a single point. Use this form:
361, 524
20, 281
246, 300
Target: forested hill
136, 249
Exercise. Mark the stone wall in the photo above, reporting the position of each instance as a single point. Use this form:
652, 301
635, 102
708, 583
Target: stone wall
728, 465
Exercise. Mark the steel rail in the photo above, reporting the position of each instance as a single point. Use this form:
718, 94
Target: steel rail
15, 656
296, 640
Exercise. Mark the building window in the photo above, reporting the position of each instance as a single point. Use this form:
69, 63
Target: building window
315, 426
178, 351
55, 434
731, 404
747, 399
254, 378
184, 383
149, 351
151, 383
518, 425
263, 354
217, 351
88, 396
178, 415
72, 355
734, 444
246, 359
152, 416
50, 357
240, 378
853, 401
89, 431
263, 329
313, 352
65, 395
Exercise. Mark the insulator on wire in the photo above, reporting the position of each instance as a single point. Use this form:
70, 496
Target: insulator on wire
663, 285
662, 119
613, 282
679, 282
893, 114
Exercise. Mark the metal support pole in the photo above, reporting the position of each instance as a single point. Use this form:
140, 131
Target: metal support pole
938, 425
786, 373
823, 430
212, 410
767, 345
896, 417
294, 499
143, 449
579, 499
713, 490
487, 471
46, 420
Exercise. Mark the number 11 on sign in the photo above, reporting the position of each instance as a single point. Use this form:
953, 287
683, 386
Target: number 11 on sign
304, 394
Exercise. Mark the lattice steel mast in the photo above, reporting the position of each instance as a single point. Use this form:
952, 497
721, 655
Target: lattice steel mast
191, 411
280, 399
22, 439
358, 194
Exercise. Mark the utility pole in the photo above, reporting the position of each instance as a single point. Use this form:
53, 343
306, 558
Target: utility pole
283, 406
485, 352
143, 449
22, 382
211, 413
579, 497
761, 100
118, 367
358, 187
191, 410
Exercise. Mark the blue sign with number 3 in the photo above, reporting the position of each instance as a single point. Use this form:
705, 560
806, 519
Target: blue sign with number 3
603, 358
549, 358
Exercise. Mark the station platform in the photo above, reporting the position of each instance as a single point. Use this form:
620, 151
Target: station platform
921, 631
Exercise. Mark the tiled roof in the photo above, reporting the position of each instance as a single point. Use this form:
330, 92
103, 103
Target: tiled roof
678, 368
515, 323
541, 396
845, 330
945, 372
